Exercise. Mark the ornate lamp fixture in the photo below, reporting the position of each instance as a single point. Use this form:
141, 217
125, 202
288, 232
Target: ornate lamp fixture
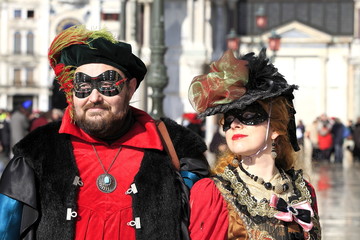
274, 44
261, 18
233, 41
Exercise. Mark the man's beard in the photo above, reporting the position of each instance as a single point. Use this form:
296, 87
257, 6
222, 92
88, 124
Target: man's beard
104, 127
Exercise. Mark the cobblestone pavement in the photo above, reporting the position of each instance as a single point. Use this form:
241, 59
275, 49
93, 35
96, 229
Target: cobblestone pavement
338, 193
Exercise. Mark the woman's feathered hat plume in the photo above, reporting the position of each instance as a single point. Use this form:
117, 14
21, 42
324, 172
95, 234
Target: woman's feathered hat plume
222, 85
237, 83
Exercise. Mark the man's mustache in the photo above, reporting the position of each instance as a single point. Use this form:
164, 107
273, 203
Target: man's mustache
97, 105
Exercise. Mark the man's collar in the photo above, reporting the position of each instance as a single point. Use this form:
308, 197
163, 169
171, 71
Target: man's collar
142, 134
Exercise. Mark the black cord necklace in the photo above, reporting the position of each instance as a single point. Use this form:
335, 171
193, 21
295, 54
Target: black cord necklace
278, 188
106, 182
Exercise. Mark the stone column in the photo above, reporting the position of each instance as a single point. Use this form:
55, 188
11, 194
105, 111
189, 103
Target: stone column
122, 19
196, 54
219, 29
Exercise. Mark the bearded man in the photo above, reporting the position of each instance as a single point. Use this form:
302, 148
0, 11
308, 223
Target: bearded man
102, 172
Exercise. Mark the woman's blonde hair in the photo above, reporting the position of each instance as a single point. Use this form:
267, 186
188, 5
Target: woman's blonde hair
280, 118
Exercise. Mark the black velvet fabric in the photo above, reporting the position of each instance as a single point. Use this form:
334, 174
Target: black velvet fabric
100, 50
50, 156
154, 182
186, 143
155, 186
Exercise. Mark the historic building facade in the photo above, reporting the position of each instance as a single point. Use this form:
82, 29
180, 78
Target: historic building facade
319, 46
23, 65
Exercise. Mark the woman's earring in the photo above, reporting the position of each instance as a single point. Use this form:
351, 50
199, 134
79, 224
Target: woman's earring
235, 161
273, 150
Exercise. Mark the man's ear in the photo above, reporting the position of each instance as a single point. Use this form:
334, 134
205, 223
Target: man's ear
132, 87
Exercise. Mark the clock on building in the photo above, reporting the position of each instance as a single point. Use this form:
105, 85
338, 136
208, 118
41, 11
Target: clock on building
66, 23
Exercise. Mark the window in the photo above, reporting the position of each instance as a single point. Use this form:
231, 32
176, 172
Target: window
30, 77
110, 16
17, 77
17, 13
17, 43
30, 43
30, 14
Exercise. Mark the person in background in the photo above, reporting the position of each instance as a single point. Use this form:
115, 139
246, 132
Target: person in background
300, 132
56, 114
325, 138
191, 121
337, 132
350, 129
356, 138
41, 119
254, 193
312, 134
19, 124
218, 142
6, 134
102, 172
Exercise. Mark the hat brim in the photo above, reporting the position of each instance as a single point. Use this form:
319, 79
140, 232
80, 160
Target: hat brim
249, 98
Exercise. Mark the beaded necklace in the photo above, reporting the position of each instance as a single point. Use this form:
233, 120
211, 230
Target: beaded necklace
278, 188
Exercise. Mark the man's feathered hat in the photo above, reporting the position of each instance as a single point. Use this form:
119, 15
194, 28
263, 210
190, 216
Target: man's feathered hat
236, 83
77, 46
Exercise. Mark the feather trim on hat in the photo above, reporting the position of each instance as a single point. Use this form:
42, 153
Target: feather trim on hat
75, 35
264, 82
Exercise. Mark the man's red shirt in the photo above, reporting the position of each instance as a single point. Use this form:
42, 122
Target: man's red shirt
106, 215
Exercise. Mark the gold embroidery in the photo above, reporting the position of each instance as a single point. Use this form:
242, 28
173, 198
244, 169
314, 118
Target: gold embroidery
235, 192
254, 207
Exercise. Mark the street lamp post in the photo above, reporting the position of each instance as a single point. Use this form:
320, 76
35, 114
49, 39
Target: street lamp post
274, 39
261, 18
122, 19
261, 22
233, 42
157, 79
233, 16
274, 44
232, 39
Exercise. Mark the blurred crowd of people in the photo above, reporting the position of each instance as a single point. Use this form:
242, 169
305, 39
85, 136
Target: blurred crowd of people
16, 124
329, 137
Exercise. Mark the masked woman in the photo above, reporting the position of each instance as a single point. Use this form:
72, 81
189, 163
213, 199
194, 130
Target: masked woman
255, 192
